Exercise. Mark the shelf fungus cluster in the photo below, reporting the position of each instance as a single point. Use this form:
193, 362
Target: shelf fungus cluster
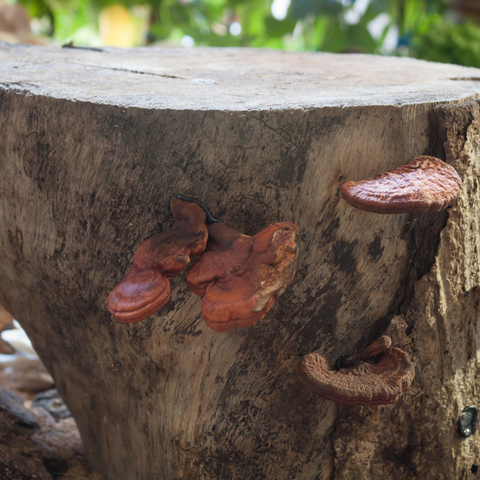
377, 376
146, 288
238, 277
381, 373
426, 184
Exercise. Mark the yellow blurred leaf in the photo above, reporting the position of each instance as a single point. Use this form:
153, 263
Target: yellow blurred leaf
117, 28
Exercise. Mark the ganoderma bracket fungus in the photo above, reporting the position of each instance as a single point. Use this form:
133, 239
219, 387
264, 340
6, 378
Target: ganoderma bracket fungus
146, 288
378, 376
240, 277
378, 346
426, 184
208, 215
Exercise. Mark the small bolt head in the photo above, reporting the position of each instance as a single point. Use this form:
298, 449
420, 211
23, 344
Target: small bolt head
467, 422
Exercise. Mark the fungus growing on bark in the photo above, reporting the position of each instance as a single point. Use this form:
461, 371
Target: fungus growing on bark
146, 288
209, 217
378, 376
426, 184
378, 346
240, 277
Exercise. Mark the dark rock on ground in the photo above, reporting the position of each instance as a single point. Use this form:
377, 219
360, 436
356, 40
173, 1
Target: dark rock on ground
51, 401
34, 446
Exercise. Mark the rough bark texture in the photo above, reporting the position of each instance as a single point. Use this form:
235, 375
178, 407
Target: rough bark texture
439, 327
84, 182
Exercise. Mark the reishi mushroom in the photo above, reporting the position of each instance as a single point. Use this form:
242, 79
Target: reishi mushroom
240, 277
146, 288
378, 376
426, 184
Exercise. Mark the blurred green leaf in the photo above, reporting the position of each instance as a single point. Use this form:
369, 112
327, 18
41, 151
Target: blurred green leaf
278, 28
301, 8
445, 42
335, 39
358, 36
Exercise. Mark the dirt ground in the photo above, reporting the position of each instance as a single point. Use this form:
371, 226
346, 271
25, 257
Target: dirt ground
53, 449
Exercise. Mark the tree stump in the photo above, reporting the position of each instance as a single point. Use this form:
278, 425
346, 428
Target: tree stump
92, 145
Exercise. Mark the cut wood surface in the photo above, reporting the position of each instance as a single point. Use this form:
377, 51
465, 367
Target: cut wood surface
230, 79
91, 146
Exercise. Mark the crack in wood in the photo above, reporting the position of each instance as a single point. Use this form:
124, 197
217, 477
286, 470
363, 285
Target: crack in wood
138, 72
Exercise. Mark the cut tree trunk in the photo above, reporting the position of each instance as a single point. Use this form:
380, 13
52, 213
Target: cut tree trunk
93, 143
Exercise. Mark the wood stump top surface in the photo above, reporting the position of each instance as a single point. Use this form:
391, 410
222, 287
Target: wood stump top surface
230, 79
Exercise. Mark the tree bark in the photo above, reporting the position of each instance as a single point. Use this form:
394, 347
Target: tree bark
93, 144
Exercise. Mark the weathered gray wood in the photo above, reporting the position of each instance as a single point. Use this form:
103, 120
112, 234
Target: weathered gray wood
89, 156
231, 80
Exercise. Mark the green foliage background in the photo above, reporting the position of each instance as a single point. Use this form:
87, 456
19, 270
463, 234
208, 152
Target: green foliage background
426, 28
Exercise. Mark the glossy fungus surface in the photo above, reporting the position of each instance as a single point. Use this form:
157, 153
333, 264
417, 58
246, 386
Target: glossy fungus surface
240, 277
146, 288
378, 376
426, 184
209, 216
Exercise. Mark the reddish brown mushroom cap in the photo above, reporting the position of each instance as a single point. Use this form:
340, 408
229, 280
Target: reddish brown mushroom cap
240, 277
170, 251
380, 345
379, 381
426, 184
145, 289
140, 294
